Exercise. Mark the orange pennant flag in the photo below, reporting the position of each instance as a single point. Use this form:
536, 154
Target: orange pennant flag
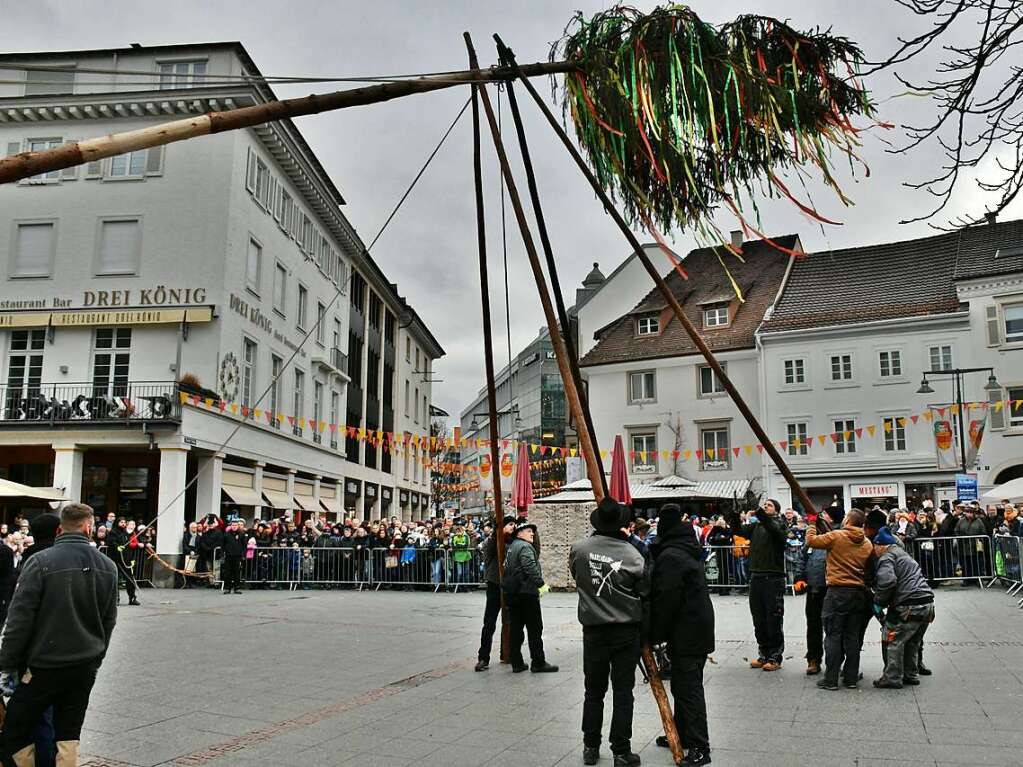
871, 428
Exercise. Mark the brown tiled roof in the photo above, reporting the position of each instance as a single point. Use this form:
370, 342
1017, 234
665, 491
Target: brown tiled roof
760, 278
893, 279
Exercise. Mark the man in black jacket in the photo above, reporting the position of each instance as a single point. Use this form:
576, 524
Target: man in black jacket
120, 553
613, 586
682, 615
492, 576
235, 543
523, 584
57, 633
212, 538
767, 582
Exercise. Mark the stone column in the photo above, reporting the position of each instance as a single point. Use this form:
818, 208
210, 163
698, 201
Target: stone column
291, 489
67, 470
316, 496
257, 485
208, 483
171, 508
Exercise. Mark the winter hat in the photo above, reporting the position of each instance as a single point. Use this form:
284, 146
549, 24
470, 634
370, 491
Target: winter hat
610, 516
884, 537
669, 519
525, 526
44, 527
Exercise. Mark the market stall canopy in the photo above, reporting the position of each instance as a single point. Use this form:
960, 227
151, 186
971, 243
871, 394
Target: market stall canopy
10, 489
1010, 491
666, 489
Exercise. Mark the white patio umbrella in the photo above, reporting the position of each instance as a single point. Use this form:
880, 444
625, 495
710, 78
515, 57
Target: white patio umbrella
1011, 491
10, 489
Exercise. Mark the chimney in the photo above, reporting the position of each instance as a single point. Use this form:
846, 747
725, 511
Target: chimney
737, 239
991, 216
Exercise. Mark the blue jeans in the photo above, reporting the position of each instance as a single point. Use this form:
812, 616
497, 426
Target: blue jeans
437, 571
45, 740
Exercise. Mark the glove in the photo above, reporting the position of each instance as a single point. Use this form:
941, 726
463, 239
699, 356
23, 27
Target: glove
879, 613
8, 683
800, 586
544, 589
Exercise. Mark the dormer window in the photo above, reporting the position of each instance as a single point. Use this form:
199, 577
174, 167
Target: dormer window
647, 326
715, 315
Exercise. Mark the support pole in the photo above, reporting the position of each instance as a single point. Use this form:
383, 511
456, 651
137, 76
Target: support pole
560, 352
25, 164
488, 353
669, 297
552, 270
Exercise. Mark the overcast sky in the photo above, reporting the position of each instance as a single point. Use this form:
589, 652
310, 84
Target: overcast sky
373, 152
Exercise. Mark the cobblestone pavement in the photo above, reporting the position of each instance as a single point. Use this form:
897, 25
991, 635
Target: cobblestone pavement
311, 678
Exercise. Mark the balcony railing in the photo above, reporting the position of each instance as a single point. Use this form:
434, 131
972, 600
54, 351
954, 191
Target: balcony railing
89, 403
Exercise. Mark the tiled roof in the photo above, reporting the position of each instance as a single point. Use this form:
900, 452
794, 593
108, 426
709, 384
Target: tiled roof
894, 279
760, 277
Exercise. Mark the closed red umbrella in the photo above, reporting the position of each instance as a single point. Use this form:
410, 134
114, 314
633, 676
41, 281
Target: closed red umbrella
619, 488
522, 488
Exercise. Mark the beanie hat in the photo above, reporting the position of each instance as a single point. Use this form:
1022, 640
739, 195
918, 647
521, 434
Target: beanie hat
669, 519
884, 537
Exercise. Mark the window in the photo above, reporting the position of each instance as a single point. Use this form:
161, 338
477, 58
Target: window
845, 436
406, 451
337, 334
45, 82
644, 453
110, 360
321, 324
356, 296
317, 411
796, 433
416, 368
941, 357
41, 145
1013, 318
298, 401
415, 406
182, 74
642, 387
715, 315
335, 400
276, 366
406, 398
24, 372
894, 434
284, 210
249, 355
710, 384
795, 372
372, 375
253, 266
261, 187
841, 367
136, 165
302, 308
1013, 394
324, 254
120, 246
890, 363
408, 350
426, 412
34, 244
647, 326
714, 441
376, 306
389, 328
308, 236
280, 289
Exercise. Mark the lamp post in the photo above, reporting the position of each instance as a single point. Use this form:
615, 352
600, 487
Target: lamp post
957, 374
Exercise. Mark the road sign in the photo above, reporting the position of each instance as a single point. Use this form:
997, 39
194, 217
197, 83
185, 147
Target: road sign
966, 487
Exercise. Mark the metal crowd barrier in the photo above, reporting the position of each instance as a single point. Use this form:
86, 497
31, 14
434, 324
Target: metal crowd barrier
725, 568
1006, 560
376, 568
954, 558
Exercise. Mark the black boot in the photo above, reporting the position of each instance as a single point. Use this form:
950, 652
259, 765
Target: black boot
134, 602
628, 759
591, 755
697, 756
543, 668
923, 670
482, 665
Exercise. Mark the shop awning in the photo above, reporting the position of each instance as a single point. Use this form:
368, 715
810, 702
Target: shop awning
243, 496
331, 505
279, 500
10, 489
306, 503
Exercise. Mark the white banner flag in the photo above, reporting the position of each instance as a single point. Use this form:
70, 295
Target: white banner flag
975, 420
944, 436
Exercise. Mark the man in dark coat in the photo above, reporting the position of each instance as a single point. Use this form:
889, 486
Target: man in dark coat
612, 582
767, 536
523, 583
492, 577
118, 550
235, 544
682, 615
211, 539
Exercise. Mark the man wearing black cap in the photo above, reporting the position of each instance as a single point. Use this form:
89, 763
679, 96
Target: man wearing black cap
767, 536
681, 614
612, 583
523, 582
235, 543
491, 574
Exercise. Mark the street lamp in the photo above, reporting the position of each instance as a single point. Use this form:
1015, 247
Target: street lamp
992, 385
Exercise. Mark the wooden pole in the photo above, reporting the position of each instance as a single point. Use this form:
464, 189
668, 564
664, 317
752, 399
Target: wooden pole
561, 354
488, 353
25, 164
672, 301
647, 656
552, 270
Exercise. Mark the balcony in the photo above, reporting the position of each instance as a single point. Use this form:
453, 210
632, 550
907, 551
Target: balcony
333, 361
49, 405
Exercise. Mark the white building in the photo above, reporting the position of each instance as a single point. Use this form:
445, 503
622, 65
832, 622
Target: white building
648, 383
210, 259
846, 346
